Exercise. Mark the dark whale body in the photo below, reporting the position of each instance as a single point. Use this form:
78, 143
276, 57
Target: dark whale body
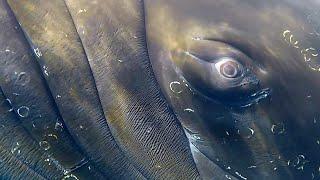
159, 89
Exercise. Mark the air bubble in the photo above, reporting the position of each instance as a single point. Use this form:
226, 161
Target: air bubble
45, 145
241, 176
70, 177
247, 132
58, 126
53, 136
37, 52
16, 149
45, 70
197, 38
23, 79
188, 110
228, 177
8, 103
82, 11
195, 136
149, 129
252, 167
298, 162
48, 160
175, 87
277, 128
23, 111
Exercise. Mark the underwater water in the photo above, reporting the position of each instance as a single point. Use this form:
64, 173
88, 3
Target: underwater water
160, 89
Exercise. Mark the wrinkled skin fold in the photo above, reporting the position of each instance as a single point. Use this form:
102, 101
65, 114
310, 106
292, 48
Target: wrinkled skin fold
159, 89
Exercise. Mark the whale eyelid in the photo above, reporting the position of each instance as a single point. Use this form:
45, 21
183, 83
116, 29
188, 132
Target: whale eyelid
234, 45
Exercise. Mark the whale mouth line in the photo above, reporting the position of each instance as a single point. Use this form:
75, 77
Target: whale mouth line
250, 100
243, 102
256, 97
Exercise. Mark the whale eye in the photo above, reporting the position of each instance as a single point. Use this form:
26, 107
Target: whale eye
229, 68
219, 71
